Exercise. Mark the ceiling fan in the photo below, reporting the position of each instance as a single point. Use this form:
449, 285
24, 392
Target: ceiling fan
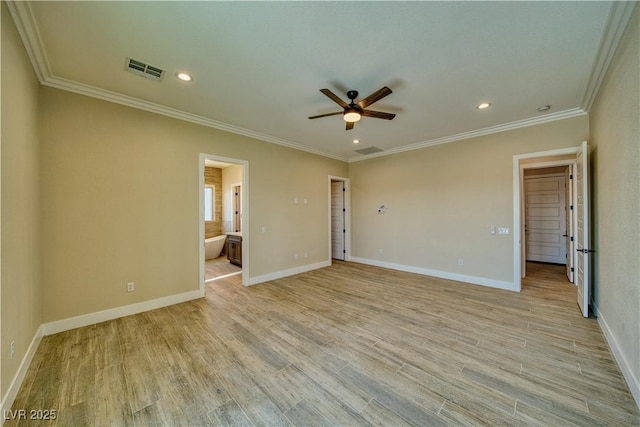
355, 111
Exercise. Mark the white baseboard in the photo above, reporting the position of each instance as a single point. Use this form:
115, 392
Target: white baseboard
285, 273
115, 313
483, 281
14, 387
623, 364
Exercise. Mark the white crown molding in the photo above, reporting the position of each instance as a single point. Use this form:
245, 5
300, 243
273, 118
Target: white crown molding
561, 115
118, 98
25, 23
23, 17
617, 21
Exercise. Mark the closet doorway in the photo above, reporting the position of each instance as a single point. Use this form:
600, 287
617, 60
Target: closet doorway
339, 219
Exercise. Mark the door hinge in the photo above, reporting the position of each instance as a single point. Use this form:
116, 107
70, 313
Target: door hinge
344, 251
344, 209
344, 189
344, 230
571, 207
571, 176
572, 269
572, 238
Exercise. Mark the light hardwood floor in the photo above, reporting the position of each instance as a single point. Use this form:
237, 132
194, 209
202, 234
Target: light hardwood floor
218, 267
347, 345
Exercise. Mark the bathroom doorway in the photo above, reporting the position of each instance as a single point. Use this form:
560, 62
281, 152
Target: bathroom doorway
223, 203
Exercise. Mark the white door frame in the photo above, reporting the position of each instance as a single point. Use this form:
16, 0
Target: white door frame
244, 219
519, 262
347, 216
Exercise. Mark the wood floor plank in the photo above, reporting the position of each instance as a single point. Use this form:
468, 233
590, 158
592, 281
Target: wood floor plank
230, 415
378, 415
406, 408
346, 345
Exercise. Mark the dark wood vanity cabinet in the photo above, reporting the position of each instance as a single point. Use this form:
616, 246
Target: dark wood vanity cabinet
234, 249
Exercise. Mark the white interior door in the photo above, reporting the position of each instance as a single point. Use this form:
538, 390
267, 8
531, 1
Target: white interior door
583, 251
569, 236
338, 250
545, 219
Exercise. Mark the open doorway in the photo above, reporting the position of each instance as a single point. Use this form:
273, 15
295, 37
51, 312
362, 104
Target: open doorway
575, 160
223, 236
548, 222
339, 219
548, 217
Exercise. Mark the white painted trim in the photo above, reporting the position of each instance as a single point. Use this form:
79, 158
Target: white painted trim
286, 273
213, 279
347, 217
475, 280
619, 16
23, 17
625, 367
14, 387
561, 115
25, 23
518, 208
117, 312
245, 214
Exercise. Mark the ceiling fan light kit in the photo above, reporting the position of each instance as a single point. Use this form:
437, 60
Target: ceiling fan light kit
351, 116
353, 111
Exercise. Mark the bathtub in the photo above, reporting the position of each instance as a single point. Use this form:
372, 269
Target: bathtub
213, 246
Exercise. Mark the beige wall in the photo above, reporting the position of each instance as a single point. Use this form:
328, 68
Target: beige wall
120, 188
443, 200
213, 177
231, 175
615, 145
21, 316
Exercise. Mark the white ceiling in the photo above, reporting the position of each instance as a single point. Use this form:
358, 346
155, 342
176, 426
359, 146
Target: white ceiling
258, 66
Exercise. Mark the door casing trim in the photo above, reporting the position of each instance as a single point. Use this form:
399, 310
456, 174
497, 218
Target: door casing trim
518, 202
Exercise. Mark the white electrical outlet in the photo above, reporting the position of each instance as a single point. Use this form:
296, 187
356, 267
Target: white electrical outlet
131, 286
306, 255
296, 256
460, 261
12, 349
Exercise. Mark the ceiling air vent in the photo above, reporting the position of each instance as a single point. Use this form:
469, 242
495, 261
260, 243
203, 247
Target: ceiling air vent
369, 150
144, 70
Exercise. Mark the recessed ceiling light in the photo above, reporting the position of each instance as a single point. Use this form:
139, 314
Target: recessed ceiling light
184, 77
544, 108
484, 105
356, 141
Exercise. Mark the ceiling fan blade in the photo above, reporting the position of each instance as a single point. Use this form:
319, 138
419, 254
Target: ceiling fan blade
350, 125
375, 96
335, 98
326, 115
377, 114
